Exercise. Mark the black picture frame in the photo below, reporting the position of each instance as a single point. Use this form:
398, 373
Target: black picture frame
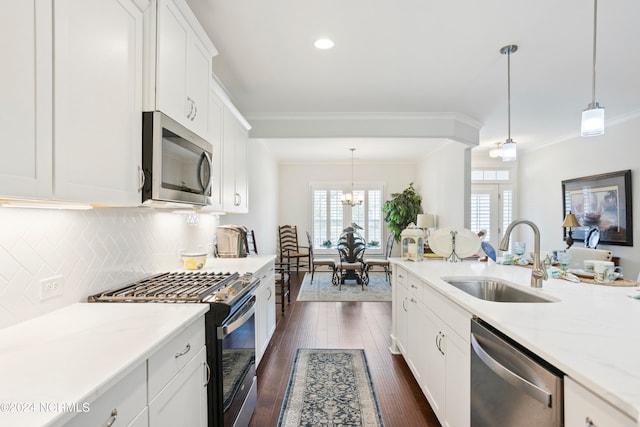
600, 200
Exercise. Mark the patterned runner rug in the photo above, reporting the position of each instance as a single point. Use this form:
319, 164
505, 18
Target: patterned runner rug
330, 388
323, 290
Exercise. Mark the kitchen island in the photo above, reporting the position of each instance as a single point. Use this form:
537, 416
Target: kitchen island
588, 332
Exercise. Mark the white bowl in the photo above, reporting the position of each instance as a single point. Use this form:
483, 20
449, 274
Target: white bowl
194, 261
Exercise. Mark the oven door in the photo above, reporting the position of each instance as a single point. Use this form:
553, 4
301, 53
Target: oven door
237, 340
176, 162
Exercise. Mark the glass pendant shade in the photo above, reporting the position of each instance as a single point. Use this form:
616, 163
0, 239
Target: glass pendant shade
592, 121
509, 151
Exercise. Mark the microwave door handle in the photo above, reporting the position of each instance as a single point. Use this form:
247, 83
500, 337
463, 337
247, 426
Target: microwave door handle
512, 378
205, 188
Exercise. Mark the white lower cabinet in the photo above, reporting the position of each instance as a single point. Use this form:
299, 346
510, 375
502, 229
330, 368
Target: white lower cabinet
168, 389
584, 408
265, 309
432, 333
122, 404
183, 401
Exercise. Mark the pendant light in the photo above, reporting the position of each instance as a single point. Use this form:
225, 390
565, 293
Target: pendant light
348, 199
593, 116
509, 151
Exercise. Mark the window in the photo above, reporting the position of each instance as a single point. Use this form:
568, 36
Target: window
492, 201
330, 216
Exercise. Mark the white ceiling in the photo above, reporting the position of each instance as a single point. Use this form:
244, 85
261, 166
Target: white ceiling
426, 56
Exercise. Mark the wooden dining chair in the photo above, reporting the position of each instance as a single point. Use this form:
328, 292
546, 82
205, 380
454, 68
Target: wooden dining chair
290, 249
385, 264
283, 283
351, 247
321, 262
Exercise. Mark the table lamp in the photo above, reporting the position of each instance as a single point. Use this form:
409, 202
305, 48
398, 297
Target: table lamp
425, 222
570, 221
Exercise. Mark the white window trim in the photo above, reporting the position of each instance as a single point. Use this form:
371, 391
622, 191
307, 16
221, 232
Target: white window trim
346, 186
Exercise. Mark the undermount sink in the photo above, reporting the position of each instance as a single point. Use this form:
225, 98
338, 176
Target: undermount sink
495, 290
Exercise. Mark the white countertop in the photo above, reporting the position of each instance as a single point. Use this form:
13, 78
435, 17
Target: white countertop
249, 264
76, 353
590, 334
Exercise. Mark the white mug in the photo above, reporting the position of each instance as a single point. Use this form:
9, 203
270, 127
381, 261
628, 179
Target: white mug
605, 271
589, 264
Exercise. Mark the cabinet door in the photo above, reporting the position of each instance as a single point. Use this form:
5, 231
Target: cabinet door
171, 67
198, 73
183, 402
584, 408
214, 131
98, 101
183, 68
434, 384
261, 321
235, 183
25, 104
458, 374
402, 318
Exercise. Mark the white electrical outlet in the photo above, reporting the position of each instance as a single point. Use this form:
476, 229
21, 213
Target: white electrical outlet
51, 287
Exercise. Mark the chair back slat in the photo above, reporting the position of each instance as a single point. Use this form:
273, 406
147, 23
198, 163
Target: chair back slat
288, 238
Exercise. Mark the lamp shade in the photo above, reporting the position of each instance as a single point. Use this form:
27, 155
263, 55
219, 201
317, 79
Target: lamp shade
425, 221
571, 221
509, 151
592, 121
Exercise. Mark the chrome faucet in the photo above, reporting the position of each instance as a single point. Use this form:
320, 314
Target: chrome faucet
539, 273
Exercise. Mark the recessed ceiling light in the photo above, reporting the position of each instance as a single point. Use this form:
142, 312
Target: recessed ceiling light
324, 44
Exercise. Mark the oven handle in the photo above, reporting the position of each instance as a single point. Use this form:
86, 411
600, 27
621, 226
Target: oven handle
238, 319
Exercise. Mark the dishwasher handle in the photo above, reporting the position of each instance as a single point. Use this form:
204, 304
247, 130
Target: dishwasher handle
512, 378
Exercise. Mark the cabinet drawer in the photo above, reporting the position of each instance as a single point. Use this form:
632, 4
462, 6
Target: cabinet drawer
122, 402
416, 288
173, 356
582, 406
401, 276
457, 318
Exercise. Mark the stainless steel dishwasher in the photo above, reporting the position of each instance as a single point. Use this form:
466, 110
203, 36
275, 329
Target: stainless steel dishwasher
510, 386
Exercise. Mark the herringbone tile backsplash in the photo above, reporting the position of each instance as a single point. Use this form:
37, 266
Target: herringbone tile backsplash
93, 250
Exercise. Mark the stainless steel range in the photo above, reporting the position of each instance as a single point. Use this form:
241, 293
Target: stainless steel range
230, 333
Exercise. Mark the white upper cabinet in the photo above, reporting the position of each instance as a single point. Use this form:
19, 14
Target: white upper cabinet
216, 109
72, 100
180, 77
235, 183
26, 101
98, 100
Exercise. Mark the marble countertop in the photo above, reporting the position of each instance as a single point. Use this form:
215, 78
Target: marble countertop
590, 333
78, 352
249, 264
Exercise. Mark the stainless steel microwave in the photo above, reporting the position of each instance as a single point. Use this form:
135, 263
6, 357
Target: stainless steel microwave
176, 162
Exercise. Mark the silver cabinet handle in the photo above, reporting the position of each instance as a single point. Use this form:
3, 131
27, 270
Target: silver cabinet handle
270, 293
141, 178
190, 103
511, 377
404, 307
112, 418
183, 352
207, 374
195, 110
237, 199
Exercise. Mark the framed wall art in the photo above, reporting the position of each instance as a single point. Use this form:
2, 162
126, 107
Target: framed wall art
602, 201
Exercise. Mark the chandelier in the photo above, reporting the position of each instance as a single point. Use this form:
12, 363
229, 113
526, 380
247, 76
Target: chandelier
348, 199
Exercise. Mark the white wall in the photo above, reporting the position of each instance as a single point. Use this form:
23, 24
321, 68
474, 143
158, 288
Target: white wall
94, 250
295, 178
542, 171
444, 178
263, 198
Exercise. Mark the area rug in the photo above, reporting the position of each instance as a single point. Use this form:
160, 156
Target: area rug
323, 290
330, 388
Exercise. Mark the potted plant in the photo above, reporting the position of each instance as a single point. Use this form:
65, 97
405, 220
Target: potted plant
402, 210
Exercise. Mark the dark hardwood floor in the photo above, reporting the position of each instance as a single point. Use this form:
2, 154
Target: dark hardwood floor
364, 325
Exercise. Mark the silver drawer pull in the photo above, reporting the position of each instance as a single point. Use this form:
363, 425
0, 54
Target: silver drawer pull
185, 351
112, 418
